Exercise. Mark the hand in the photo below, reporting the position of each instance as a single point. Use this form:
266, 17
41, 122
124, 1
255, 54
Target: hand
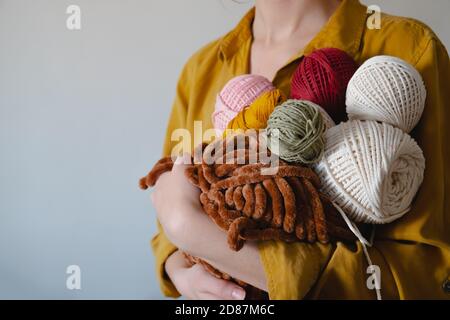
195, 283
176, 200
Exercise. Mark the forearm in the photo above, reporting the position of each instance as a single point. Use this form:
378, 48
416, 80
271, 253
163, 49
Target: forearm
250, 268
174, 262
201, 238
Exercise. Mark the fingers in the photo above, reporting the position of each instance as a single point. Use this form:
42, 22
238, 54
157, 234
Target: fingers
197, 283
223, 289
206, 296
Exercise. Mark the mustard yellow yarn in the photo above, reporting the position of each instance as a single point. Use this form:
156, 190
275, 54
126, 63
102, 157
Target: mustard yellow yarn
256, 115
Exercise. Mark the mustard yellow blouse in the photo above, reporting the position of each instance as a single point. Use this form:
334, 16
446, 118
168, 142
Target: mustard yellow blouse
413, 253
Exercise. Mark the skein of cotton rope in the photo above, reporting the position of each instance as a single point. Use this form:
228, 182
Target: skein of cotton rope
371, 170
386, 89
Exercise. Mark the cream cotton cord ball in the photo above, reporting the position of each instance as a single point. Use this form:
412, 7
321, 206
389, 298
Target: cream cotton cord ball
371, 170
386, 89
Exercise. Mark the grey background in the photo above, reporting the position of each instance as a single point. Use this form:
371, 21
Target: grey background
82, 117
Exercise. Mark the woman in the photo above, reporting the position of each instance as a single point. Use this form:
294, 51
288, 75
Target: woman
412, 254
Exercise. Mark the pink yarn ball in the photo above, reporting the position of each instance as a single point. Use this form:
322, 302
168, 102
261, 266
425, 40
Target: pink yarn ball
237, 94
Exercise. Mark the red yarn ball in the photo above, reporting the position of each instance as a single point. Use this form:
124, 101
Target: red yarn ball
322, 77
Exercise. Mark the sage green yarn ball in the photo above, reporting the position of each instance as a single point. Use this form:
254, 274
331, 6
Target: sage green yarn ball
300, 129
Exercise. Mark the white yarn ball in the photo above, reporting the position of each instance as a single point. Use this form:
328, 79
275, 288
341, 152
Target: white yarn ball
371, 170
386, 89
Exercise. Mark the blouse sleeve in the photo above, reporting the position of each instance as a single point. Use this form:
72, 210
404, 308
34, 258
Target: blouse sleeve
161, 246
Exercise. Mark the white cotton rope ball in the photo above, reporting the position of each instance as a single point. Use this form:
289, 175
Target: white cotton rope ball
371, 170
386, 89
